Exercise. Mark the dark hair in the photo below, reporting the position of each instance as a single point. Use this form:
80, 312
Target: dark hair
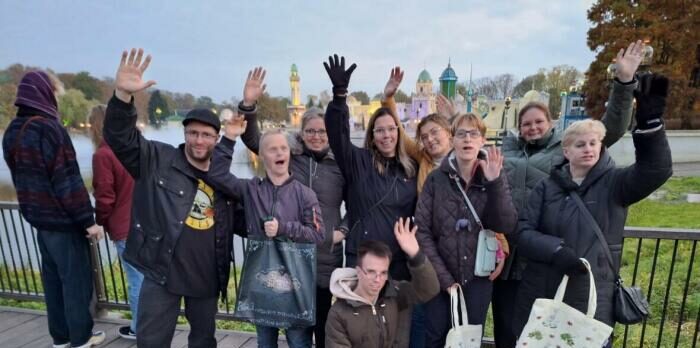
374, 247
534, 105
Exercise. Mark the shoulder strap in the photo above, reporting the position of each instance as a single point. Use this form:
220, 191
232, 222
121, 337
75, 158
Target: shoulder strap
376, 204
595, 226
466, 199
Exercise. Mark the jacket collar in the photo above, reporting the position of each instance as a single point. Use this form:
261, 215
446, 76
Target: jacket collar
513, 141
267, 180
180, 163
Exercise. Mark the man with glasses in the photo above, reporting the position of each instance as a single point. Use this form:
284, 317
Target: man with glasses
366, 313
180, 235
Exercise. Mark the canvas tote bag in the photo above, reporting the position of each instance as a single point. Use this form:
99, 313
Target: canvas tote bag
553, 323
465, 335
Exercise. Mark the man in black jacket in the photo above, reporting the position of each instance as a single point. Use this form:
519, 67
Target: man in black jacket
180, 230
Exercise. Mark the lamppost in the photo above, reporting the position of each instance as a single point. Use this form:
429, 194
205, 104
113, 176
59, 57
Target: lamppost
504, 124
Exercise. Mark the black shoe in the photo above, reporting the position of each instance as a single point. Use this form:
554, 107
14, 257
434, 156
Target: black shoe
125, 332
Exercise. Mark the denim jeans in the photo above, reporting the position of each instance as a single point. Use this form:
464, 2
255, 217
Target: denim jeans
67, 277
134, 278
297, 337
417, 339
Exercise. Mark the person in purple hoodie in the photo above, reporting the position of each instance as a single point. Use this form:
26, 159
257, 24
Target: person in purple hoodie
53, 199
276, 205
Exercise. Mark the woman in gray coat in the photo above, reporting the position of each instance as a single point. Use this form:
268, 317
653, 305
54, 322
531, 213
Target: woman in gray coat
554, 232
312, 164
529, 158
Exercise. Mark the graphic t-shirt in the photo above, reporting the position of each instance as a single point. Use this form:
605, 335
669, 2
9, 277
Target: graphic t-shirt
193, 268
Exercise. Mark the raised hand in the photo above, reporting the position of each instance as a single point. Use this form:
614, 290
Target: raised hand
406, 237
651, 100
129, 78
392, 85
338, 75
628, 61
445, 107
235, 126
493, 163
254, 86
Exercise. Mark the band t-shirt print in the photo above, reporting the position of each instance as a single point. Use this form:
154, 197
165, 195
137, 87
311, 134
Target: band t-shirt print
193, 269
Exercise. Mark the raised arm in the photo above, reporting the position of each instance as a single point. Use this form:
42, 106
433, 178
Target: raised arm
424, 283
390, 89
337, 118
219, 174
120, 132
618, 113
252, 91
653, 164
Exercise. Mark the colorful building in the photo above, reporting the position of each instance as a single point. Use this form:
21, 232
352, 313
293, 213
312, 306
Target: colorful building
448, 82
422, 100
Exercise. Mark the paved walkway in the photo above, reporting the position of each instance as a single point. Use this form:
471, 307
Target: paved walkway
686, 169
28, 329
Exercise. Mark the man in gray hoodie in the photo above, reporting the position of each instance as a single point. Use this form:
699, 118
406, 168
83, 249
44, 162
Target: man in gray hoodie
366, 312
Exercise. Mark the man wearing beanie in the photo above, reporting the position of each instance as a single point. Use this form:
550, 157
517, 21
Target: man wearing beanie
180, 228
53, 199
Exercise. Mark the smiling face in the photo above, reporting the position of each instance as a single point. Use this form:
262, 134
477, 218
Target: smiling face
274, 151
435, 139
314, 134
584, 151
200, 140
534, 124
467, 141
386, 135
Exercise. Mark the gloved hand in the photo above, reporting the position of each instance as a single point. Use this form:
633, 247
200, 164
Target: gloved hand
566, 261
651, 100
338, 75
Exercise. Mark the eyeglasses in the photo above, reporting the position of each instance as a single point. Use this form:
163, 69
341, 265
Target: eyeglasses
387, 130
431, 133
204, 135
461, 133
375, 274
311, 132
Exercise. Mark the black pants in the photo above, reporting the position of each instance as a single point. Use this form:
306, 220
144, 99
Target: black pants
67, 279
157, 317
323, 305
438, 314
504, 293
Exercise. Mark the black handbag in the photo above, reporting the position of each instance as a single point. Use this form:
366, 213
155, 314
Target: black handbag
629, 304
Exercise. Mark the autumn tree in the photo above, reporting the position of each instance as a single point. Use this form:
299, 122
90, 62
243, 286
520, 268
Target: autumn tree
672, 29
361, 96
74, 107
273, 109
158, 109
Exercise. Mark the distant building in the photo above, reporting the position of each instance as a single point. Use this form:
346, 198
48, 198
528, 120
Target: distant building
422, 100
448, 82
295, 109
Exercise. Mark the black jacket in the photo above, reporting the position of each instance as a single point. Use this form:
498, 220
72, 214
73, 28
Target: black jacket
164, 191
321, 175
552, 218
366, 187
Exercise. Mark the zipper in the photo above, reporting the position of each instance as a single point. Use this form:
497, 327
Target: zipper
274, 200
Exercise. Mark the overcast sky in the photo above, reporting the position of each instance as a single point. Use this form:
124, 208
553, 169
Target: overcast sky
206, 47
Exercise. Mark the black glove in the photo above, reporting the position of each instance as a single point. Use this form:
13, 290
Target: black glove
338, 75
566, 261
651, 100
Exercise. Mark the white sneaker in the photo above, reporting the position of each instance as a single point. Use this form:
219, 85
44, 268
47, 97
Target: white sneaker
97, 338
65, 345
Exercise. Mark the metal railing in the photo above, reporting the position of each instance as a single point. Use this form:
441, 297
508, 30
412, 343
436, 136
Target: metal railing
661, 261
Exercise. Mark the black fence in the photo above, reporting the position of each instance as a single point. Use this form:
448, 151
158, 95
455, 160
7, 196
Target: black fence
661, 261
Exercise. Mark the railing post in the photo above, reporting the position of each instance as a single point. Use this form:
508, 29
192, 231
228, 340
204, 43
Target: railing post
98, 286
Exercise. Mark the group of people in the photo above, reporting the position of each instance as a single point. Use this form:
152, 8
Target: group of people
415, 208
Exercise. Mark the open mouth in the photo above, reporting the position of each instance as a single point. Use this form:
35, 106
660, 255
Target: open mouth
279, 163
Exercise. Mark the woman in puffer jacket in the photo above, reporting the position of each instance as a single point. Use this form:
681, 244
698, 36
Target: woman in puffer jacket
554, 232
529, 158
447, 229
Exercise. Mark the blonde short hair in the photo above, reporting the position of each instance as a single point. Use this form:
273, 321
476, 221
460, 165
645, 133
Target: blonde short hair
579, 128
270, 132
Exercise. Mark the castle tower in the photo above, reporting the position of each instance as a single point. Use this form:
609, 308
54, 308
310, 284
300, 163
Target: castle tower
448, 82
296, 108
424, 85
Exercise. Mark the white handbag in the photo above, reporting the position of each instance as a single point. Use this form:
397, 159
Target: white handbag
553, 323
465, 335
